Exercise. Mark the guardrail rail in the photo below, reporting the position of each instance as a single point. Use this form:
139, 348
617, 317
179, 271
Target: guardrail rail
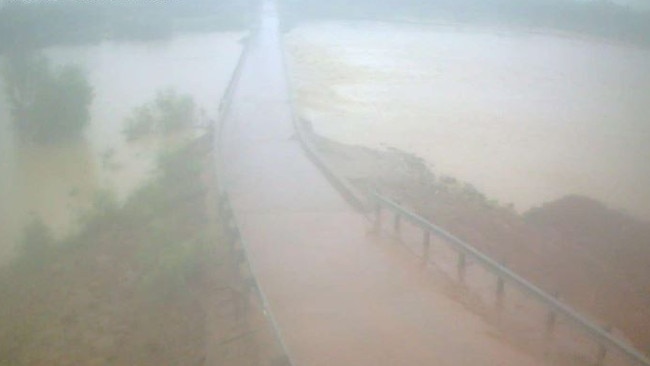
556, 308
229, 219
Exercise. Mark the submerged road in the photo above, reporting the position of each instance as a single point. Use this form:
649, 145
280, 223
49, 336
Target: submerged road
339, 295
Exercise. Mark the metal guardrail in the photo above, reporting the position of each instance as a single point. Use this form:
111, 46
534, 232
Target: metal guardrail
234, 237
555, 307
231, 225
347, 190
600, 334
305, 138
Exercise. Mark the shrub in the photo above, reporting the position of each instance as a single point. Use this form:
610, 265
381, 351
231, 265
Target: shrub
36, 242
141, 123
169, 112
175, 111
169, 265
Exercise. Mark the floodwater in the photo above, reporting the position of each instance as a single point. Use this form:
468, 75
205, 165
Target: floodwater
525, 117
57, 183
338, 295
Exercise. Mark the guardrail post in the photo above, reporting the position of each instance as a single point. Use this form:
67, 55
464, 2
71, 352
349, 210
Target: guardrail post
377, 227
397, 223
461, 267
556, 309
426, 246
238, 303
232, 237
501, 291
602, 350
551, 322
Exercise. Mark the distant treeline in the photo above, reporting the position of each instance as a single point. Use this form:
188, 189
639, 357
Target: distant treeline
40, 23
599, 17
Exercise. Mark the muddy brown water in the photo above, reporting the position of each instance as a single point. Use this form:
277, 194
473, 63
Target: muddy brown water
339, 295
57, 183
525, 117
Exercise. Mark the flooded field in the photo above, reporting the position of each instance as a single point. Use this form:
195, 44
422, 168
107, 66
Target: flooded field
57, 183
524, 117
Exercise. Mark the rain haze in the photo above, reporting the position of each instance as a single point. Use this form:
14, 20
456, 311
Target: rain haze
308, 182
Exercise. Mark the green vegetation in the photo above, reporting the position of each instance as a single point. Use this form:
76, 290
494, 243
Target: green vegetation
168, 113
42, 23
166, 216
176, 243
48, 105
124, 289
599, 18
36, 243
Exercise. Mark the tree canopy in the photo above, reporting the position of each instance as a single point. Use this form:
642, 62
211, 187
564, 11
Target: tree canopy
169, 112
42, 23
48, 105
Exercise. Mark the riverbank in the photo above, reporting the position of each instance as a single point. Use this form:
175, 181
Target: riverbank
627, 23
43, 24
142, 283
592, 256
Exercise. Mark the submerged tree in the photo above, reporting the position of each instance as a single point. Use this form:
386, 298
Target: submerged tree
47, 105
37, 240
176, 111
168, 113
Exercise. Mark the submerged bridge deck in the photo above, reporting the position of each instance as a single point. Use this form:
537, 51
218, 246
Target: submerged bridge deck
339, 295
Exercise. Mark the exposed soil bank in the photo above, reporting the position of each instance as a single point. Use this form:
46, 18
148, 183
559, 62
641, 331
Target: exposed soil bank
593, 256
